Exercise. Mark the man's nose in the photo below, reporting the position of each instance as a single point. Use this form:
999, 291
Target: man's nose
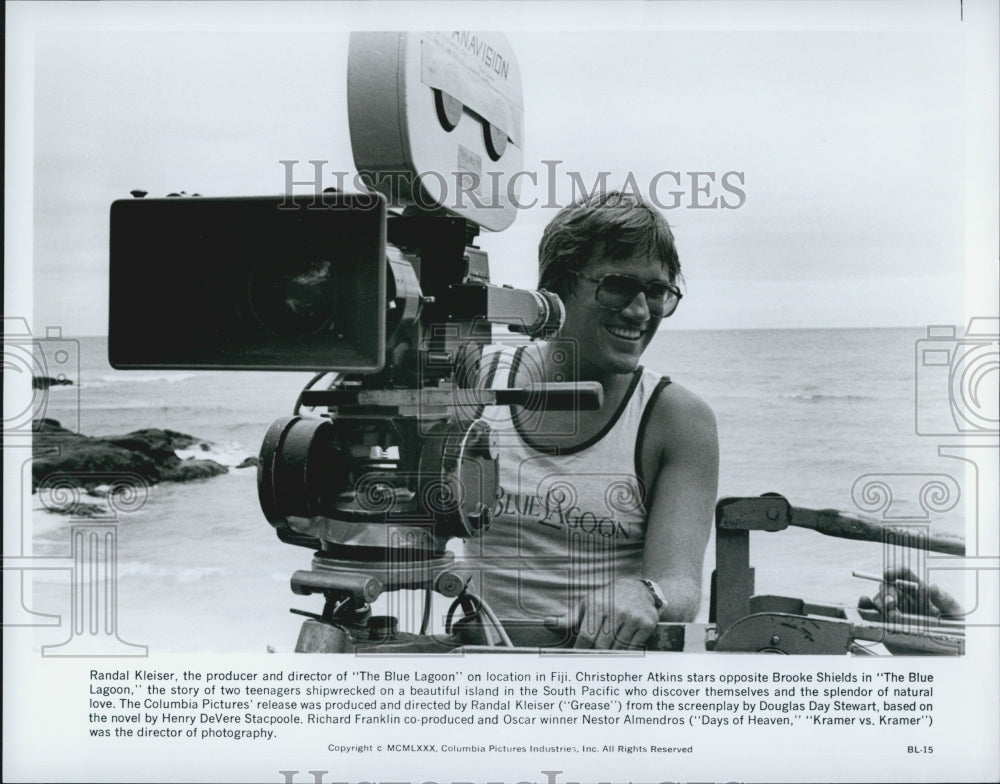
638, 308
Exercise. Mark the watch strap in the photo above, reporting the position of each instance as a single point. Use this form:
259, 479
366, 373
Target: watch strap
658, 598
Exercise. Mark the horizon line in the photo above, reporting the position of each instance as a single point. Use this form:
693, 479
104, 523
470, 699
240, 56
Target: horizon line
668, 328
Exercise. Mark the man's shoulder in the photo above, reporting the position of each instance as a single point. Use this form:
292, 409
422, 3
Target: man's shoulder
676, 400
680, 415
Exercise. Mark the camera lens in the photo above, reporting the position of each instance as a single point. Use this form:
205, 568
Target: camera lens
293, 299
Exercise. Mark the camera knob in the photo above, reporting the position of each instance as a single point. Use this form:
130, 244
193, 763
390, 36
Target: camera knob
459, 476
483, 441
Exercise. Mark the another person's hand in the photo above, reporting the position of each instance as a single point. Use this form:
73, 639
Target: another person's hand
903, 592
620, 617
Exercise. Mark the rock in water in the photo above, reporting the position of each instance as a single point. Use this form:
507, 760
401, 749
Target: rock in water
148, 453
188, 470
44, 382
78, 510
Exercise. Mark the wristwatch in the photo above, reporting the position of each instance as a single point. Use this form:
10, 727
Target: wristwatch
658, 598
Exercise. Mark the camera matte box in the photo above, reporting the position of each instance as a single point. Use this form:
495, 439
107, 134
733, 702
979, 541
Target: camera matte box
248, 283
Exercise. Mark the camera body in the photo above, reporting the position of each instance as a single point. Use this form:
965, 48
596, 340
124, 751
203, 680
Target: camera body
383, 293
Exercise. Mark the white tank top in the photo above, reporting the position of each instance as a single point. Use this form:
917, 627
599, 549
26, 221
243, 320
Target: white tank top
569, 519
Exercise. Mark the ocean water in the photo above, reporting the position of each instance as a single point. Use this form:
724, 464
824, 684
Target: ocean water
807, 413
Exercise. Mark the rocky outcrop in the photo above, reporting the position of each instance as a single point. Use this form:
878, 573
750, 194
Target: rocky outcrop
44, 382
150, 454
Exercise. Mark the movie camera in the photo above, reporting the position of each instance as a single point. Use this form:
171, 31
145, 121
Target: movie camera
384, 289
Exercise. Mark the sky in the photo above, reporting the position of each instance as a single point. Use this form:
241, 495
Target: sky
860, 140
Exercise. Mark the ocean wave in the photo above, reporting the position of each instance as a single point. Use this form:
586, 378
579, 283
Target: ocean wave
48, 528
228, 454
185, 574
52, 509
145, 570
822, 397
119, 379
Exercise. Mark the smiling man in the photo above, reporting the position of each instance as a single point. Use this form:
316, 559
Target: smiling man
604, 515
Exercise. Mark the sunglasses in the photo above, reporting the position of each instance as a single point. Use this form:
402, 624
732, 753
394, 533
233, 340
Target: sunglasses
616, 292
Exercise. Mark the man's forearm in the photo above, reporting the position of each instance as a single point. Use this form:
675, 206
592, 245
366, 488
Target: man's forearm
683, 599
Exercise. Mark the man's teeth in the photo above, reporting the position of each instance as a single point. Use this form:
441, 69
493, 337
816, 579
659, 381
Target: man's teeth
626, 333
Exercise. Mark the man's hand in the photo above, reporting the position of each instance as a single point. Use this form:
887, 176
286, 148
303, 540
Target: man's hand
620, 616
903, 592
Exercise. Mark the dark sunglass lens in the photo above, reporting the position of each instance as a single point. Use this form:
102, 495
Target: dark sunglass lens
658, 292
662, 298
670, 302
617, 291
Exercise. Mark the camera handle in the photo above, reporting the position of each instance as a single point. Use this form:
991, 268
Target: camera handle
583, 396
